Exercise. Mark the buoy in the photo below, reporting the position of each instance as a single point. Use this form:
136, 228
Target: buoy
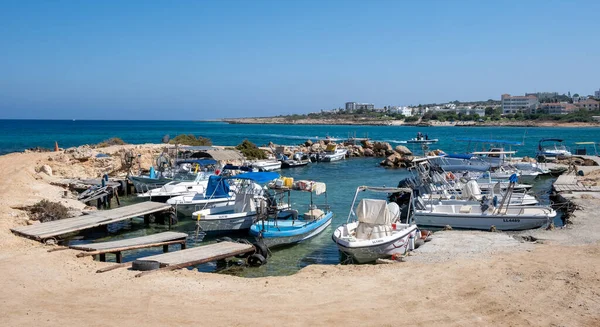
55, 146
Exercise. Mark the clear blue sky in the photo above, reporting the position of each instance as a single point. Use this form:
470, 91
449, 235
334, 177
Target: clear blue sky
211, 59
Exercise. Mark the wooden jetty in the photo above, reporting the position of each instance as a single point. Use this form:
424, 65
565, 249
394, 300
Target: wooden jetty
53, 229
160, 239
566, 183
190, 257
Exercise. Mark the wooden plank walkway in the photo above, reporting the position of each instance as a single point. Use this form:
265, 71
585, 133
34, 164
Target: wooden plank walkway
160, 239
569, 183
197, 255
135, 241
56, 228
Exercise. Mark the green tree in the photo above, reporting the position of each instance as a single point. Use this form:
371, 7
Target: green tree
250, 150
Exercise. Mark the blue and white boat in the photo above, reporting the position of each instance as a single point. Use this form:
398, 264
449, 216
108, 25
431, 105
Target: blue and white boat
285, 227
218, 194
242, 213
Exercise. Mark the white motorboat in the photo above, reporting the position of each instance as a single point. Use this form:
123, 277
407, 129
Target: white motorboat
482, 217
332, 153
217, 194
554, 150
267, 165
242, 213
421, 139
472, 193
176, 188
375, 230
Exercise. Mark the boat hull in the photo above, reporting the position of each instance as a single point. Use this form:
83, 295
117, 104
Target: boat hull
275, 239
365, 251
186, 209
227, 222
481, 222
145, 184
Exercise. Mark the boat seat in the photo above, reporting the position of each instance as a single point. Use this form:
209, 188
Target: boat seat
465, 209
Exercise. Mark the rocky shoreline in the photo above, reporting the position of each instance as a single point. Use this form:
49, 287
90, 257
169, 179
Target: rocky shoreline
370, 122
395, 157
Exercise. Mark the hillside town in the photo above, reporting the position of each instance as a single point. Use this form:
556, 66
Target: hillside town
549, 103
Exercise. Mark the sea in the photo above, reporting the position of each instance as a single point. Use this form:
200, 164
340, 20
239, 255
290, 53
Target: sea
342, 177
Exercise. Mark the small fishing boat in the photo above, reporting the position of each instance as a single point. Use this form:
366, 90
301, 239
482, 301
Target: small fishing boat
285, 227
553, 150
375, 229
267, 165
184, 170
296, 161
217, 194
421, 139
332, 153
242, 213
484, 215
177, 188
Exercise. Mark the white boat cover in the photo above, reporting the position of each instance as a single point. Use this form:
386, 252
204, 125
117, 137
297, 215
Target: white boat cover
472, 190
244, 203
374, 219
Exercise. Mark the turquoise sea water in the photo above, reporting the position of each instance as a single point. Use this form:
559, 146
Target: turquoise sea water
18, 135
341, 177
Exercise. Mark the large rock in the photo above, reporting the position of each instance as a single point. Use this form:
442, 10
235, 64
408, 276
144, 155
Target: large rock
316, 147
366, 144
81, 153
382, 146
359, 150
46, 170
401, 149
308, 143
369, 152
392, 161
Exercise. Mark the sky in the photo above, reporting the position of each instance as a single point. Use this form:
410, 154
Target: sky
216, 59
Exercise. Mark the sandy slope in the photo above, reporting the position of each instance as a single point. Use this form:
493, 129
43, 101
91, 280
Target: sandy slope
549, 284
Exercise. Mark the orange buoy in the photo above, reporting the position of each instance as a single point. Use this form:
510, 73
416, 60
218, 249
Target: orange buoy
55, 146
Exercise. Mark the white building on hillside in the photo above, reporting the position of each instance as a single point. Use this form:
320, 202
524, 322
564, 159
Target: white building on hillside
519, 103
597, 94
405, 111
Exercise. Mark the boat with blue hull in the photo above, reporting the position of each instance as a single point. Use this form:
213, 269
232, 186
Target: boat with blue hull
281, 232
285, 227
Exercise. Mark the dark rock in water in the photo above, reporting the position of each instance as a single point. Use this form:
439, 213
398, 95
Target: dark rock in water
369, 152
308, 143
366, 144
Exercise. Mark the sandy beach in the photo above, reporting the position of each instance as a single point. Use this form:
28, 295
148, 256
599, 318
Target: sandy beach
457, 279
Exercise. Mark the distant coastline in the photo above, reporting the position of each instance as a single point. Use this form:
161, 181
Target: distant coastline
379, 122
